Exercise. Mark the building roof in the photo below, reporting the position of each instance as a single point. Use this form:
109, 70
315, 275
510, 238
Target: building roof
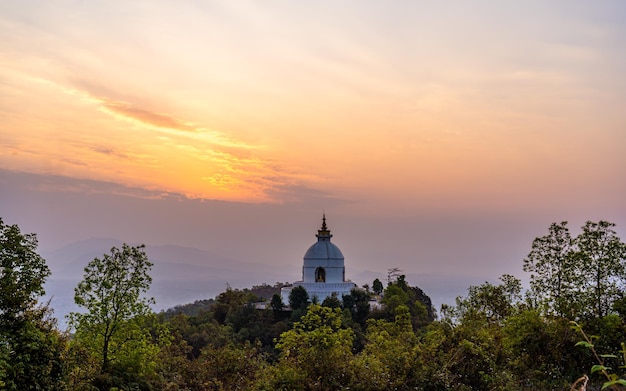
323, 249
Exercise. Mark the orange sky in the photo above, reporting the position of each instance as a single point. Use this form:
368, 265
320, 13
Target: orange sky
438, 137
408, 105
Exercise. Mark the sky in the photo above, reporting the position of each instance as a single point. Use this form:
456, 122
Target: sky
438, 137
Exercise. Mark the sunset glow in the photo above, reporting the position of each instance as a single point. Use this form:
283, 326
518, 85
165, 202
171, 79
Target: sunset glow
405, 103
438, 138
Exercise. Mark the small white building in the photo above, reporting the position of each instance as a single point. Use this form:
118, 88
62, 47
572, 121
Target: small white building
323, 272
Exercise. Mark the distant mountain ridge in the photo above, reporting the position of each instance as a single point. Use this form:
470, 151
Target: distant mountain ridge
180, 274
187, 274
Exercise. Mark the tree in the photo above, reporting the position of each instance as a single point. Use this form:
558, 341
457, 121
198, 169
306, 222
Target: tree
495, 302
358, 303
377, 286
228, 367
298, 298
316, 353
553, 269
30, 344
277, 303
231, 300
394, 296
393, 345
400, 293
22, 272
541, 350
602, 255
331, 301
393, 274
35, 353
578, 277
112, 293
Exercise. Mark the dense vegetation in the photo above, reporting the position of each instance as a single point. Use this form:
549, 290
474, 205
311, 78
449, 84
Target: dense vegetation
570, 323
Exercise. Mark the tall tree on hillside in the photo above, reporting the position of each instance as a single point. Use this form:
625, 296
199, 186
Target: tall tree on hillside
399, 292
298, 298
22, 272
30, 344
554, 274
377, 286
393, 345
277, 303
495, 303
602, 255
112, 291
315, 354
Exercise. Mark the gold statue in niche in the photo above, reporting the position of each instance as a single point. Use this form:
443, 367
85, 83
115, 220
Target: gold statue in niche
320, 275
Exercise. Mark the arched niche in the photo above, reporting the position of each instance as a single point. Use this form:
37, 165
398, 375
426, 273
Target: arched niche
320, 274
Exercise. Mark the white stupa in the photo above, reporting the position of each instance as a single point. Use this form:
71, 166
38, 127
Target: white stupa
323, 272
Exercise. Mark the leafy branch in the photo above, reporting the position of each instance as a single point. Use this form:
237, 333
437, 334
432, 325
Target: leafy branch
613, 380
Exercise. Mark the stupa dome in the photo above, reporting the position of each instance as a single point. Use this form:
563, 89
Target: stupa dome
323, 270
323, 249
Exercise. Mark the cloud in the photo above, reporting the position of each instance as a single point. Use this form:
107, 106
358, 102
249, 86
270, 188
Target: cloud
308, 197
47, 183
108, 151
136, 110
122, 139
161, 150
146, 116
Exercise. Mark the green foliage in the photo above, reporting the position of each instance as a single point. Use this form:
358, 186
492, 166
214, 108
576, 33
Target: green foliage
319, 348
494, 302
231, 300
393, 346
190, 309
554, 277
22, 272
580, 277
399, 293
254, 326
277, 302
614, 380
619, 307
332, 301
173, 364
394, 297
199, 331
112, 293
33, 353
377, 286
490, 340
229, 367
476, 357
358, 303
541, 349
30, 345
298, 298
602, 256
609, 332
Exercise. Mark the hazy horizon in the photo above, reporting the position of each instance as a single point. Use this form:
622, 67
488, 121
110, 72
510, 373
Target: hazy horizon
440, 139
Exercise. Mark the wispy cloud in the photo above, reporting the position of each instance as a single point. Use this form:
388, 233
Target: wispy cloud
128, 142
242, 101
62, 184
108, 151
138, 114
145, 116
211, 164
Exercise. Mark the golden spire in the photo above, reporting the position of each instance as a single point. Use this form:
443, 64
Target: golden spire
324, 232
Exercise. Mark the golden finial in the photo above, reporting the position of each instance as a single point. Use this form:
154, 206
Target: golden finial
324, 232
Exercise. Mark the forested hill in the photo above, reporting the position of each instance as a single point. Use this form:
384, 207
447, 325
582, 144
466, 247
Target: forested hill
569, 328
258, 293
